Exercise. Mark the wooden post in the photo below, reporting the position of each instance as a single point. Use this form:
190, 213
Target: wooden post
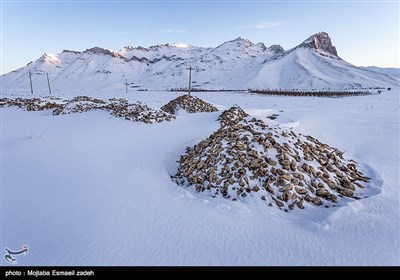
48, 82
190, 78
126, 86
30, 81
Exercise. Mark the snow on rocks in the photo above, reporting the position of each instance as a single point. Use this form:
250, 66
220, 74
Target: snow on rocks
189, 103
33, 104
80, 104
136, 112
232, 116
246, 158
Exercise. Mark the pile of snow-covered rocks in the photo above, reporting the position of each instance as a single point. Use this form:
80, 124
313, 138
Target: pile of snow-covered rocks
118, 107
33, 104
136, 112
189, 103
232, 116
246, 158
80, 104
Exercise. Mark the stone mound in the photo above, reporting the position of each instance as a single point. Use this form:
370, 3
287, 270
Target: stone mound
245, 158
33, 104
232, 116
189, 103
136, 112
80, 104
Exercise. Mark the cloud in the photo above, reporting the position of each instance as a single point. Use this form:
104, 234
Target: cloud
263, 25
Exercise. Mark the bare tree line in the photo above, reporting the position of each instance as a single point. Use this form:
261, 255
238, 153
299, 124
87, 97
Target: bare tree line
320, 93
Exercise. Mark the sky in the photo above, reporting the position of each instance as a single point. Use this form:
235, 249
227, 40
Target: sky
365, 33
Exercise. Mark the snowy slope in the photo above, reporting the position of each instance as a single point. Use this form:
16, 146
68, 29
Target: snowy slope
236, 64
303, 68
315, 64
74, 202
395, 72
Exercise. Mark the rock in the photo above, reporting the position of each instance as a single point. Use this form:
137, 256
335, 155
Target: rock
333, 198
200, 165
364, 179
317, 201
269, 189
291, 206
287, 195
293, 166
240, 145
308, 157
286, 177
308, 198
300, 190
298, 176
323, 193
346, 192
280, 172
270, 161
255, 164
212, 177
286, 187
280, 182
330, 184
300, 204
278, 202
295, 181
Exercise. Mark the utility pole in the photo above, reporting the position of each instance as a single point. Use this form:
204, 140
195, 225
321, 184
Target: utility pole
30, 80
48, 82
190, 77
126, 86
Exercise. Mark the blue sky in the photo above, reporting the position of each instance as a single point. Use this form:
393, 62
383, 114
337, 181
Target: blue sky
364, 33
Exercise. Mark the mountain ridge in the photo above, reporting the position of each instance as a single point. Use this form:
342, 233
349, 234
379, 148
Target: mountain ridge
234, 64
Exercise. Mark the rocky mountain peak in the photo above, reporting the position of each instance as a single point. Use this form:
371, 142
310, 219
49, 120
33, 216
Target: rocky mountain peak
70, 51
50, 58
128, 48
321, 42
277, 49
238, 42
101, 51
97, 50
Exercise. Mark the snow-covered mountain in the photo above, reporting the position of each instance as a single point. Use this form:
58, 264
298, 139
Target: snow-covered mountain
236, 64
390, 71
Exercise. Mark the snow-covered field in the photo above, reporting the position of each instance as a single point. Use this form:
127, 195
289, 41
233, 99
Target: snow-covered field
92, 189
